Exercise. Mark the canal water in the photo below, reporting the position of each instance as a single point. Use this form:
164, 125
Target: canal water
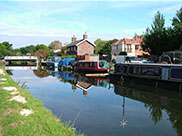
104, 107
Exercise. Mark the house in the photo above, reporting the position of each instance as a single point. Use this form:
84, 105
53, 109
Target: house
80, 47
131, 46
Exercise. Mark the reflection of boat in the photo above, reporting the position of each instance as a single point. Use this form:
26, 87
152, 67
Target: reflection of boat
92, 66
168, 100
157, 102
78, 80
67, 76
96, 81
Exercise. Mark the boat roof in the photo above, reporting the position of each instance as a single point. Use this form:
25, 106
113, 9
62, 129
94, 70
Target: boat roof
154, 64
91, 60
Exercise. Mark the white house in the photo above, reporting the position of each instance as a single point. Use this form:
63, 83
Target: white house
131, 46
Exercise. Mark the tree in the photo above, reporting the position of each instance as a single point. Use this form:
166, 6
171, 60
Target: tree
55, 45
7, 45
103, 47
41, 54
99, 45
156, 39
176, 35
41, 46
6, 49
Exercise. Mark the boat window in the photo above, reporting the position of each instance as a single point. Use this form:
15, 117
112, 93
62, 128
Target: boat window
80, 65
95, 64
101, 64
86, 64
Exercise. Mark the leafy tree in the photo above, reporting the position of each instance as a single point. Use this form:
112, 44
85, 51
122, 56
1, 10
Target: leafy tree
99, 45
7, 45
6, 49
41, 46
103, 47
41, 54
27, 50
55, 45
177, 30
156, 39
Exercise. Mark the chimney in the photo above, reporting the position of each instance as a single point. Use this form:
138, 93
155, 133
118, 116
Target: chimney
73, 39
136, 36
85, 36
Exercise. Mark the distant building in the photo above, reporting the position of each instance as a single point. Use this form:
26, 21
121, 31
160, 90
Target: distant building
80, 47
131, 46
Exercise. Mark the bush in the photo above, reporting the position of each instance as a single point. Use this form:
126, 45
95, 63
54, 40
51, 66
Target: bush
123, 53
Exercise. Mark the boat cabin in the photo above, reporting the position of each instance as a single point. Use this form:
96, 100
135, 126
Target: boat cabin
100, 65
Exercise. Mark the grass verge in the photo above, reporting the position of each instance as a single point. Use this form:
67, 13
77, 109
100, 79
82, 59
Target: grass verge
40, 123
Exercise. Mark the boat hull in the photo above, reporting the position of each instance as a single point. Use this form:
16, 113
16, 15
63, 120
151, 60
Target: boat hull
92, 70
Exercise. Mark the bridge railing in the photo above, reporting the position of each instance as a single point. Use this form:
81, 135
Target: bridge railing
20, 58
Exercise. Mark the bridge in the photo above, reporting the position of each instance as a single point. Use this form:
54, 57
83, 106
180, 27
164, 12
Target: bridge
21, 58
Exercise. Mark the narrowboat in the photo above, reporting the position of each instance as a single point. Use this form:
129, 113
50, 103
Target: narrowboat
163, 75
53, 63
66, 64
92, 66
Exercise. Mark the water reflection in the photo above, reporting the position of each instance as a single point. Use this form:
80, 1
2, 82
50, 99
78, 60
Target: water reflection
41, 73
156, 102
161, 104
79, 80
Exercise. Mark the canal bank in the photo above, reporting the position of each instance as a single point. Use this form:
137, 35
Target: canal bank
21, 114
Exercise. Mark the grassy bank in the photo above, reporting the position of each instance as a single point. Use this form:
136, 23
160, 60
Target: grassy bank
40, 123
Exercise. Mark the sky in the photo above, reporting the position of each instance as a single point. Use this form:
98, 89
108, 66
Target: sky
32, 22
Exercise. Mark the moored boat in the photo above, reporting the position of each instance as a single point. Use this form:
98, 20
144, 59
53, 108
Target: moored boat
92, 66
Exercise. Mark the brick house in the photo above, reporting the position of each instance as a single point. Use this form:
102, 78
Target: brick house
80, 47
131, 46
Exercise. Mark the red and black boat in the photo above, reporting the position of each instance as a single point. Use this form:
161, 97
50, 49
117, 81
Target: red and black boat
92, 66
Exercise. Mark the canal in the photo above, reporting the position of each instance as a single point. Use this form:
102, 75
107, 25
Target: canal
101, 107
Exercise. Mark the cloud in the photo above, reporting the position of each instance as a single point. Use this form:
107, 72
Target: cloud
116, 4
168, 9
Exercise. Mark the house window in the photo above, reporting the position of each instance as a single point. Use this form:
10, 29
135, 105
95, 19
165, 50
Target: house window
75, 48
129, 48
136, 47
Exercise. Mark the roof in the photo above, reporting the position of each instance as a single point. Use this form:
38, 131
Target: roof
78, 42
128, 41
